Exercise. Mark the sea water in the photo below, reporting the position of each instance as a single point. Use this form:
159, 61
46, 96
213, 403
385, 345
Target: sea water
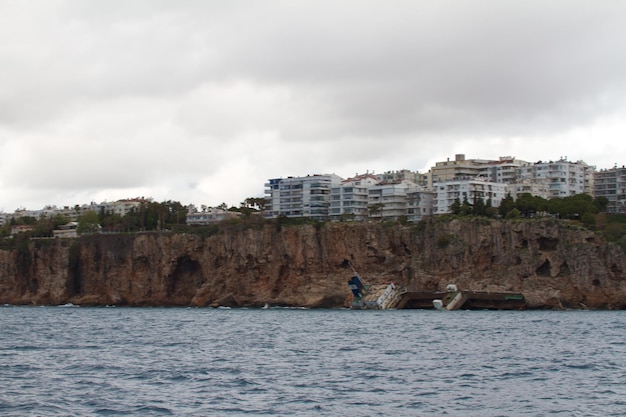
284, 362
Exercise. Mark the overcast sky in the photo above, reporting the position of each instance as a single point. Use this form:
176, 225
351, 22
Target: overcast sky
202, 101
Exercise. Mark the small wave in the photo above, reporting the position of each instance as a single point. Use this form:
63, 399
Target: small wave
161, 362
579, 366
151, 410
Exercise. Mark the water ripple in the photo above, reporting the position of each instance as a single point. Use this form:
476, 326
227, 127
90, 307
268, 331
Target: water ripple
279, 362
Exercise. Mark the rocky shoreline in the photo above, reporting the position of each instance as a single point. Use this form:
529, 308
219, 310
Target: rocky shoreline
555, 264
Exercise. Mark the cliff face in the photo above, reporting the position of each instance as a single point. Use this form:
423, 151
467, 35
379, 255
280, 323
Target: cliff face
552, 263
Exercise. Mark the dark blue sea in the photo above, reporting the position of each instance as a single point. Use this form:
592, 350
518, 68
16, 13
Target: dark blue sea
60, 361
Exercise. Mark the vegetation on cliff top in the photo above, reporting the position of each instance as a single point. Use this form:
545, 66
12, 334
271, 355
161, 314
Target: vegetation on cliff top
170, 216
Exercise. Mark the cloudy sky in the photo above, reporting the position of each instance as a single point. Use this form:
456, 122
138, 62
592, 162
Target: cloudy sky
202, 101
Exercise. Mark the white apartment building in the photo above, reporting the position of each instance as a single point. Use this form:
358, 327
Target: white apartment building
404, 174
505, 170
611, 183
389, 201
212, 216
459, 167
120, 207
467, 188
300, 196
46, 212
420, 204
330, 197
68, 230
349, 199
533, 187
564, 178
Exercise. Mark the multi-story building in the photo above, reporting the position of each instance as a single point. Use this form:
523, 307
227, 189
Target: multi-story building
300, 196
214, 215
611, 183
20, 228
469, 189
505, 170
389, 201
564, 178
420, 204
533, 187
459, 168
359, 198
349, 199
68, 230
120, 207
46, 212
404, 174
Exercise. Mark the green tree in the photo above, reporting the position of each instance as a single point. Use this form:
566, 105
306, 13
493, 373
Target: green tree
113, 223
589, 220
555, 206
375, 210
506, 205
527, 205
513, 214
466, 207
88, 222
26, 220
46, 225
257, 203
60, 220
601, 203
455, 208
576, 206
490, 210
478, 206
614, 231
5, 229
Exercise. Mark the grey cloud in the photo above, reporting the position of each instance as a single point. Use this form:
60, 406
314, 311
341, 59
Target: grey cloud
389, 60
483, 59
292, 87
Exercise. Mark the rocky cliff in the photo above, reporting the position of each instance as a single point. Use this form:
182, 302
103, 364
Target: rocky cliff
554, 264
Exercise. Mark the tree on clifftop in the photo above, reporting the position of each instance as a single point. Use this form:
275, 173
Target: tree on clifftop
89, 222
506, 205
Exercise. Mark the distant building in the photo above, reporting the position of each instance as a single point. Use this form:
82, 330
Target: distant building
611, 184
119, 207
210, 216
20, 228
389, 201
300, 196
404, 174
458, 168
349, 199
505, 170
564, 178
68, 230
46, 212
535, 187
469, 189
420, 204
